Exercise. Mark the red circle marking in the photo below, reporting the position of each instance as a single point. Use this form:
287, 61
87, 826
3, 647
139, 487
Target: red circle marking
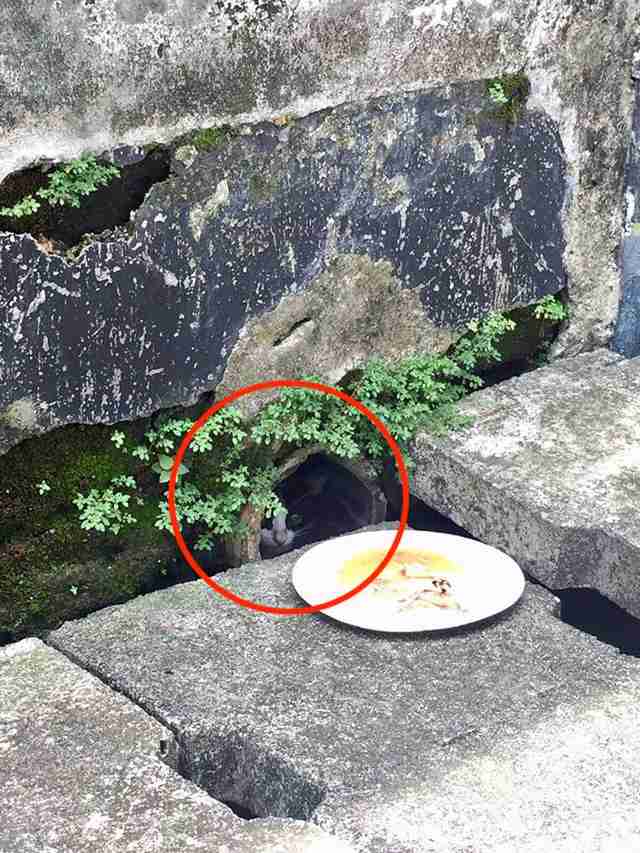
262, 386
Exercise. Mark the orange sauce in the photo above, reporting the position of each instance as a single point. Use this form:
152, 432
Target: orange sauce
408, 569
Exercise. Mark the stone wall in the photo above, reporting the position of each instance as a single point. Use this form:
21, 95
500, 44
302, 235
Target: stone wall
385, 206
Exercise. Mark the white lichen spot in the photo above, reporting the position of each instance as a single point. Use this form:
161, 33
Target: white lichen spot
95, 821
200, 213
170, 279
102, 274
62, 290
186, 154
36, 302
630, 199
16, 318
506, 227
21, 414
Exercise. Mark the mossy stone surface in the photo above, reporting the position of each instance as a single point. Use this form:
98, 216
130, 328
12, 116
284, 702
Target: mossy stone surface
51, 569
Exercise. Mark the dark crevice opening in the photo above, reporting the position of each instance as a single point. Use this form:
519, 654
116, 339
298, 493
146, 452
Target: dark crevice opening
291, 331
61, 227
323, 499
421, 515
240, 810
249, 778
424, 517
588, 610
525, 348
585, 609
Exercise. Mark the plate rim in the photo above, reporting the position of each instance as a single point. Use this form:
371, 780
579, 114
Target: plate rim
508, 564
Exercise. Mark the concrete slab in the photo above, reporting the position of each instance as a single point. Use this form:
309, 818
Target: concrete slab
80, 772
513, 736
550, 473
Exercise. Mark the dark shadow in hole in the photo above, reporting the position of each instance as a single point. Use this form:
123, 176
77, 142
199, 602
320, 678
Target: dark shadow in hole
293, 329
589, 611
107, 207
247, 776
424, 517
506, 370
240, 810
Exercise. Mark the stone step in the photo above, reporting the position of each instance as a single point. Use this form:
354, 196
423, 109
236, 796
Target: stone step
549, 473
518, 735
81, 772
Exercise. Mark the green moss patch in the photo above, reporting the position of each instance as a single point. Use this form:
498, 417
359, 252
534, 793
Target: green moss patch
43, 584
50, 569
509, 94
211, 137
263, 186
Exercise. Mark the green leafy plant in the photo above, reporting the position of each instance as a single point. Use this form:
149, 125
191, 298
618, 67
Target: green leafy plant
67, 186
163, 467
24, 207
107, 510
497, 93
239, 462
550, 308
118, 438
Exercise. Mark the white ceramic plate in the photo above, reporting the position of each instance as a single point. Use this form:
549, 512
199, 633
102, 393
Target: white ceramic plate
486, 583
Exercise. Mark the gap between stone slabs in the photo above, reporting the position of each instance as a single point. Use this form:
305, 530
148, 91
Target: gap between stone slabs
80, 772
549, 473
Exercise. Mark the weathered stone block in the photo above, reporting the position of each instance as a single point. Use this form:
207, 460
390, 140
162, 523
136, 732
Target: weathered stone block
550, 473
368, 230
84, 768
498, 738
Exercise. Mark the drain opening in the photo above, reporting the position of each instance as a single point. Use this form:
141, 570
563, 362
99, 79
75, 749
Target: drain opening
323, 499
589, 611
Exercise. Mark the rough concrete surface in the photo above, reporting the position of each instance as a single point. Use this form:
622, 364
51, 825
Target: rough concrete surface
105, 74
375, 229
550, 473
512, 736
80, 772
